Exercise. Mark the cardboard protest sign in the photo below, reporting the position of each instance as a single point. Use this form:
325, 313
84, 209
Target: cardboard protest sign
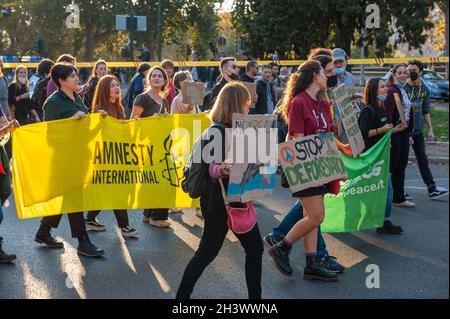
192, 93
342, 96
401, 111
253, 176
311, 161
251, 87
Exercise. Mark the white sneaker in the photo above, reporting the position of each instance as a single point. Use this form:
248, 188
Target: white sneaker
129, 232
406, 203
160, 223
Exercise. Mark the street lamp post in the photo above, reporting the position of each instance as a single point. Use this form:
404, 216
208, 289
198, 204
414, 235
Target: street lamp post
160, 25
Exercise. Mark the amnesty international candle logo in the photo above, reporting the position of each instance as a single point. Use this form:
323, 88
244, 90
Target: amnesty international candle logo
172, 166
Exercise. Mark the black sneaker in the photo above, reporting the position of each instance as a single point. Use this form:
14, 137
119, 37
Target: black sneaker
437, 193
281, 259
271, 240
129, 232
5, 258
408, 197
88, 249
389, 228
44, 237
315, 270
331, 264
94, 225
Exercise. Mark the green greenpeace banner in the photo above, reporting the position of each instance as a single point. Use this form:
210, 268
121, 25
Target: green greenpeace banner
361, 202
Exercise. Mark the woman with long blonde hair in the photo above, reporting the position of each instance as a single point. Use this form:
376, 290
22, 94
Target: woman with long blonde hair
233, 98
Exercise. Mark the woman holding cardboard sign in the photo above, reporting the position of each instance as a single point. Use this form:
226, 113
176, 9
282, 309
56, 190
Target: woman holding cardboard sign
306, 114
397, 107
149, 103
178, 107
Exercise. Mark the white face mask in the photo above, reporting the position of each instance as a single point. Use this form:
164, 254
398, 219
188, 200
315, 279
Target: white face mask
22, 80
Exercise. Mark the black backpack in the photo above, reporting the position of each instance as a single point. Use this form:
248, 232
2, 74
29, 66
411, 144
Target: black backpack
195, 174
40, 94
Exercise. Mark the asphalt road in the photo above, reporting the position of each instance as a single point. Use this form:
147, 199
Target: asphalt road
413, 265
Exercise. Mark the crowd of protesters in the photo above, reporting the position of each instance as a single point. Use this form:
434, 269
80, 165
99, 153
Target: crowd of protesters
297, 95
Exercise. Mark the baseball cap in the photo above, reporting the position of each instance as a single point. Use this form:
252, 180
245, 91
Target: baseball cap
339, 54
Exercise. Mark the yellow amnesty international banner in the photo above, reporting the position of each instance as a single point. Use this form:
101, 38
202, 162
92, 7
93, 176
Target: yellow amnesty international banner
100, 163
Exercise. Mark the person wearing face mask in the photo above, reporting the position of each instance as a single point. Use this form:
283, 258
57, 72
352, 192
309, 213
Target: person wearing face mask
420, 97
306, 114
280, 82
19, 97
266, 94
400, 140
340, 67
229, 72
374, 125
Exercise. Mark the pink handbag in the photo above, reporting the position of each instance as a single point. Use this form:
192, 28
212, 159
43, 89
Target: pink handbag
241, 220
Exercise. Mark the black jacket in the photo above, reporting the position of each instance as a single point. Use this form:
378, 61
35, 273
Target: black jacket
261, 91
208, 101
245, 78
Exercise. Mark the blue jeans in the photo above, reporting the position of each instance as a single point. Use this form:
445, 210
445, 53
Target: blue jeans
292, 217
390, 198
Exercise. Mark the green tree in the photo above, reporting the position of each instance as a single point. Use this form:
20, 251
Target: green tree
287, 25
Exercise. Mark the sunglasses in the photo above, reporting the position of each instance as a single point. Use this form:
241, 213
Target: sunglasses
234, 66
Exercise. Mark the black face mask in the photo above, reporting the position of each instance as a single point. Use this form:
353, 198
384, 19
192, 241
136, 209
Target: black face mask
413, 75
234, 77
332, 81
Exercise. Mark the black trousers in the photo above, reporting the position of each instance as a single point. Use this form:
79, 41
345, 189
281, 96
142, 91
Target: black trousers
399, 161
76, 221
121, 216
422, 160
157, 213
213, 236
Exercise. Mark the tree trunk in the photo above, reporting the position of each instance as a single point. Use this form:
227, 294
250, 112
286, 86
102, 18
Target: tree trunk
89, 42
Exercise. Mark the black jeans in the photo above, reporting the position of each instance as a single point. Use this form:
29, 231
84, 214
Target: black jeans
422, 160
121, 217
157, 213
399, 161
76, 221
213, 236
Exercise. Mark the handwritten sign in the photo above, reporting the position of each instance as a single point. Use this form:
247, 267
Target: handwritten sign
251, 87
311, 161
254, 139
192, 93
401, 111
342, 96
